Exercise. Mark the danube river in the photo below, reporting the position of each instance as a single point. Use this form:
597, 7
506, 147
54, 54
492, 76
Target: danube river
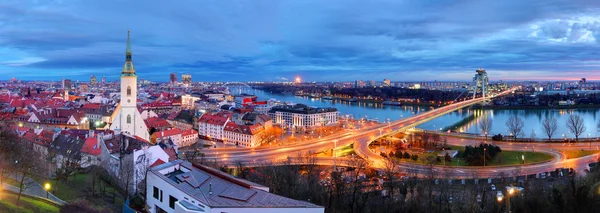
464, 120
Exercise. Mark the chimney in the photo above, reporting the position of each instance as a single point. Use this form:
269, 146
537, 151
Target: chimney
99, 139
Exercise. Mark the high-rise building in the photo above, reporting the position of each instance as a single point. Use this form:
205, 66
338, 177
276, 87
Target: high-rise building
186, 79
371, 83
93, 80
173, 78
67, 84
387, 82
359, 84
128, 119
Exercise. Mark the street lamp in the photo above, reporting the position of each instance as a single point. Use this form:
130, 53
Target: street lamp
47, 187
510, 191
484, 156
334, 154
380, 138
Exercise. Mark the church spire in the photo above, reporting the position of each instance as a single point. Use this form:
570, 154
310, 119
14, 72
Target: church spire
128, 49
128, 68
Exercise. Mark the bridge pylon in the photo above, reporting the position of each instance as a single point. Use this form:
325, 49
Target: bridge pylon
480, 83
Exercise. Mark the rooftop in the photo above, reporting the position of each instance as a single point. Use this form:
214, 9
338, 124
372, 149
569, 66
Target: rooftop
221, 190
301, 109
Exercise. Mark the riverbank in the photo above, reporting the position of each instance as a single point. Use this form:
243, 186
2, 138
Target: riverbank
588, 106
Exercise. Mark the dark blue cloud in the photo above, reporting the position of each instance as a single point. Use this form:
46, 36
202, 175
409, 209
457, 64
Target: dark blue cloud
318, 40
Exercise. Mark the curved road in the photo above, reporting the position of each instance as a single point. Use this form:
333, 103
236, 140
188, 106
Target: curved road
362, 137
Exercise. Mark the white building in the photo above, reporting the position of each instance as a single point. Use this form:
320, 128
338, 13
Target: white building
211, 126
183, 187
127, 118
243, 135
188, 137
174, 134
303, 116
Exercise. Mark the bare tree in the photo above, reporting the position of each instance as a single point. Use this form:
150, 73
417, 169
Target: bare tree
126, 174
269, 134
390, 169
515, 125
550, 126
576, 125
355, 187
485, 124
142, 168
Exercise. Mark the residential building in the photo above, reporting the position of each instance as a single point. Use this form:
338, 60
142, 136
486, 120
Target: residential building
188, 137
173, 134
211, 125
182, 187
243, 135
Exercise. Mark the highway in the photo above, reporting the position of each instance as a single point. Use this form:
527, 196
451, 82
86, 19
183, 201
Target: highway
362, 137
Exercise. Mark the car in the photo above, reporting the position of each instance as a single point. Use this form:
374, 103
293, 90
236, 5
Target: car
493, 187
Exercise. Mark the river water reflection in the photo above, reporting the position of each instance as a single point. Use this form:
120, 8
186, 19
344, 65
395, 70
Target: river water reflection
464, 120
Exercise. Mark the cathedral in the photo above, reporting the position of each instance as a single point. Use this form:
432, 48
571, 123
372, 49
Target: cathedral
127, 118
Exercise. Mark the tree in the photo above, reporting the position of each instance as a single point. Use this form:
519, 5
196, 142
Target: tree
576, 125
533, 136
515, 125
270, 134
19, 157
447, 158
406, 155
485, 124
390, 169
415, 157
550, 126
142, 168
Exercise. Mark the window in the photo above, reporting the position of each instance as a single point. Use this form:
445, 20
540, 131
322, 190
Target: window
160, 195
155, 193
172, 201
128, 119
128, 90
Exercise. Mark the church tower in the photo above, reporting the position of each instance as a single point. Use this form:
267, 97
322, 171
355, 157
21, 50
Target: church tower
128, 119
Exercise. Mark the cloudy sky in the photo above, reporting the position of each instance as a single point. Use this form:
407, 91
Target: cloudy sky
319, 40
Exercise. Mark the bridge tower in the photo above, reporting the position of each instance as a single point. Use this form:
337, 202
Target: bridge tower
480, 83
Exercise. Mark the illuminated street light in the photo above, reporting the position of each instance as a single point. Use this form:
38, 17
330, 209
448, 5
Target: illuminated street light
47, 187
334, 154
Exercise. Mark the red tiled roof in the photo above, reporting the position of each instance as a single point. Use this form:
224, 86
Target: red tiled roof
190, 132
91, 146
92, 106
157, 122
167, 133
219, 120
23, 129
157, 162
30, 136
171, 153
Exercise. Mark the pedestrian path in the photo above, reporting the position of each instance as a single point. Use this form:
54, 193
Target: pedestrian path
32, 188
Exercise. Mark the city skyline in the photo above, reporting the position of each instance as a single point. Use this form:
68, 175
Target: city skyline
274, 41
